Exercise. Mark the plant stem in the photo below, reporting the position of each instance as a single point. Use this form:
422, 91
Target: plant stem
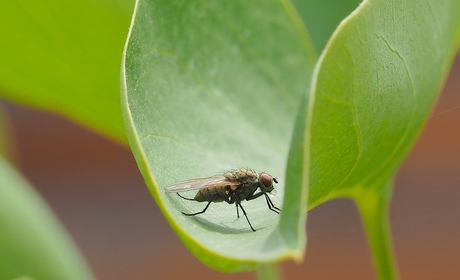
269, 271
373, 204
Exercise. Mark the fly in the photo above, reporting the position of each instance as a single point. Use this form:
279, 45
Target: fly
233, 187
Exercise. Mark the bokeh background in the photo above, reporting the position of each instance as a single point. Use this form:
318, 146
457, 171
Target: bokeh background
96, 190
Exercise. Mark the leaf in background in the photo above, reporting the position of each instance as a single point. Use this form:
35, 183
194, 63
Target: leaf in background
32, 242
373, 88
65, 56
210, 86
323, 17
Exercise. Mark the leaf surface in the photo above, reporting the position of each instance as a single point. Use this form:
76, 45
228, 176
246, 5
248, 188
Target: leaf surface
209, 86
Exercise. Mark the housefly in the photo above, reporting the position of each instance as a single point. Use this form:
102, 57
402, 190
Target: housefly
233, 187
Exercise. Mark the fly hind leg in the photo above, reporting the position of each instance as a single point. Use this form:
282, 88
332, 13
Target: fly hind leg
186, 198
205, 208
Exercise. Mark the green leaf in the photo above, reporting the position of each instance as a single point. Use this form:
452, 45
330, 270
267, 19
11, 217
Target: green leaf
323, 17
210, 86
65, 56
373, 87
32, 242
376, 82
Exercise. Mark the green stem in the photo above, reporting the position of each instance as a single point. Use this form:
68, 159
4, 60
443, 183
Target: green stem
269, 271
373, 204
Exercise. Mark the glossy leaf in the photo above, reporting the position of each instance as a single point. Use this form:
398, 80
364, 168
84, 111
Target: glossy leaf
210, 86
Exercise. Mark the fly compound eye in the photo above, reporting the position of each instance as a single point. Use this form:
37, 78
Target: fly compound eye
266, 181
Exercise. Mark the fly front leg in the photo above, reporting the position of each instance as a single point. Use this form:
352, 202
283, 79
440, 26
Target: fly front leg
270, 204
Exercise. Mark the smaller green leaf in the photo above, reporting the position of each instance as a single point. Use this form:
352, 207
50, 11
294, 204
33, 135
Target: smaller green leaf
32, 242
374, 86
372, 89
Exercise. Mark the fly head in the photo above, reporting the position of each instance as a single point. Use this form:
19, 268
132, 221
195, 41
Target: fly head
266, 182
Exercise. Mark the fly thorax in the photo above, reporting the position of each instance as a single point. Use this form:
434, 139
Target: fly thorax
241, 175
230, 176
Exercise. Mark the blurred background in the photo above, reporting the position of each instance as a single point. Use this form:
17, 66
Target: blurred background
96, 190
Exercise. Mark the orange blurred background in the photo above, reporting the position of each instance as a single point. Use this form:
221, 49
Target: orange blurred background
96, 190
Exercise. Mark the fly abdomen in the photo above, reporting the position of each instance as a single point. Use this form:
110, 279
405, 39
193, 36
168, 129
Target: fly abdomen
215, 194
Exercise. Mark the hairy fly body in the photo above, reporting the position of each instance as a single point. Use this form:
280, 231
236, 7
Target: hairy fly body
232, 187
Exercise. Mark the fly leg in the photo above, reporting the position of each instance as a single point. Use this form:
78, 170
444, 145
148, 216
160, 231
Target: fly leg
270, 204
186, 198
205, 208
238, 203
231, 200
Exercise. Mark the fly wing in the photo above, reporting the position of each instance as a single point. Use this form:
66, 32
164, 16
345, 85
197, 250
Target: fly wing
196, 184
